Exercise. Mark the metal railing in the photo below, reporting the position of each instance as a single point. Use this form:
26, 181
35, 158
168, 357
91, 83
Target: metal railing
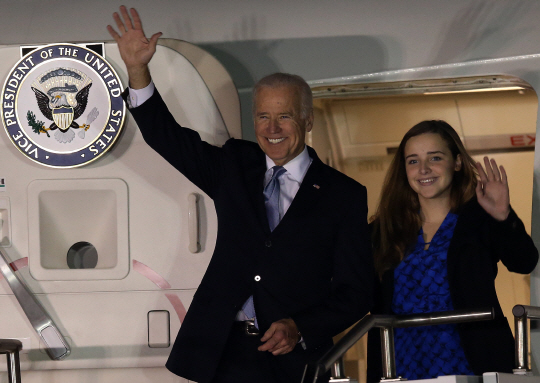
386, 323
521, 314
11, 348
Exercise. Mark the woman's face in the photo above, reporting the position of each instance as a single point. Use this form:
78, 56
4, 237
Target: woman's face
430, 166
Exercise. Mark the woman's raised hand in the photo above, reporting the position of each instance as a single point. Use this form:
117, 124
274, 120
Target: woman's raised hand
492, 189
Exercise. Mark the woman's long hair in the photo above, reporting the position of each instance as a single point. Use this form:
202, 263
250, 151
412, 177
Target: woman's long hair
397, 220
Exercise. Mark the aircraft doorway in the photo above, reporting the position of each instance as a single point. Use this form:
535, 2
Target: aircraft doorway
359, 127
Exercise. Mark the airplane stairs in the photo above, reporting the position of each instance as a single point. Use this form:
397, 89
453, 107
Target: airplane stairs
386, 323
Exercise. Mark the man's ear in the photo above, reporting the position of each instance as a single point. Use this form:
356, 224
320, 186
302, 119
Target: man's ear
309, 122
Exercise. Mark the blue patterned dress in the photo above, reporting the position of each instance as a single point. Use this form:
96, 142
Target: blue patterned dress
421, 286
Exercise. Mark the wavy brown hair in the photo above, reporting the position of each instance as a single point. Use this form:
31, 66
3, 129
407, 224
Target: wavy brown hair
397, 220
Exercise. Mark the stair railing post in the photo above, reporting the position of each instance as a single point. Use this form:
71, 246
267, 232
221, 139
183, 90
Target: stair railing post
387, 351
11, 348
521, 343
338, 370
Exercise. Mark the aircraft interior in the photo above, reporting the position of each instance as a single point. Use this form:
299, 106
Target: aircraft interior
358, 128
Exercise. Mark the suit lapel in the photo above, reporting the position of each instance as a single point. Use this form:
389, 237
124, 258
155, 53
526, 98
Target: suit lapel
254, 182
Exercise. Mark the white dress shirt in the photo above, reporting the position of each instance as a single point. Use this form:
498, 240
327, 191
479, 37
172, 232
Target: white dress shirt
290, 181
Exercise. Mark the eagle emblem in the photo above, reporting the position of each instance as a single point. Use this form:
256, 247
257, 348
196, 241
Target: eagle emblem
62, 97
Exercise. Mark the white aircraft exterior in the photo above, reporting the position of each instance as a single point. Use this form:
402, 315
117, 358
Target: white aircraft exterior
120, 318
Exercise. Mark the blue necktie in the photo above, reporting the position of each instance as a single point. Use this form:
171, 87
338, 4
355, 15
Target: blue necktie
271, 197
271, 202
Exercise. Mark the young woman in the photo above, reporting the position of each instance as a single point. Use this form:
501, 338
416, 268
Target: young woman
437, 237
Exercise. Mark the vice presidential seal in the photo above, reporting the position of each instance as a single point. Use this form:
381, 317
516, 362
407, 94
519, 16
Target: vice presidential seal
62, 105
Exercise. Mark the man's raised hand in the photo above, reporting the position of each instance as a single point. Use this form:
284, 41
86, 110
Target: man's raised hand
135, 49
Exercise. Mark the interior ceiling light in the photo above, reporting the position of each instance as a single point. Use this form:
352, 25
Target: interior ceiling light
476, 90
428, 87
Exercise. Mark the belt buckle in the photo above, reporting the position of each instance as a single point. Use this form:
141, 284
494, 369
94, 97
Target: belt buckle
250, 328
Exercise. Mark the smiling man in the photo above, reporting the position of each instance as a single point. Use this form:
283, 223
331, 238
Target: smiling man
292, 265
282, 116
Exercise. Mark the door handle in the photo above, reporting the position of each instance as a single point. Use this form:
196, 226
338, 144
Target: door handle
193, 223
55, 344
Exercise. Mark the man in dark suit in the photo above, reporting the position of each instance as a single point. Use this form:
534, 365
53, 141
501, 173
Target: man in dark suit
292, 265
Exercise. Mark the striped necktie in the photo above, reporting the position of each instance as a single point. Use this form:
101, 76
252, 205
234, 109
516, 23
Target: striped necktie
271, 197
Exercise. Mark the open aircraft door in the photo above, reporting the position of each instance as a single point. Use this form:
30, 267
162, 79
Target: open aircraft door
493, 104
114, 248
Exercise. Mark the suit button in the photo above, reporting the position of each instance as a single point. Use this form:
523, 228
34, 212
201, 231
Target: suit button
257, 278
268, 243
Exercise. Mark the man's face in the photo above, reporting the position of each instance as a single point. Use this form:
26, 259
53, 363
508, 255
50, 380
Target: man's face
279, 128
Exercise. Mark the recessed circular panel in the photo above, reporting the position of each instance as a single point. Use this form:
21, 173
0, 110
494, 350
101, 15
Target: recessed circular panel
82, 255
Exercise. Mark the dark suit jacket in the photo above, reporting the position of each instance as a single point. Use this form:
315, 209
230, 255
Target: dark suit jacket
478, 243
315, 267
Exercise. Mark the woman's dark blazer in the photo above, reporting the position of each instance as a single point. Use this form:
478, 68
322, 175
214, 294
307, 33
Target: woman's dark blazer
478, 244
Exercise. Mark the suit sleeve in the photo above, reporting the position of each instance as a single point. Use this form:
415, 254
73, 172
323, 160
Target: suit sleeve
351, 289
512, 245
183, 148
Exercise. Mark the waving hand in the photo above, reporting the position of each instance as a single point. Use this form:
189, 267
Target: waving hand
135, 49
492, 190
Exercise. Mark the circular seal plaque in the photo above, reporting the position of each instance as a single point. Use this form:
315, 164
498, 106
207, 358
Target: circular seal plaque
62, 105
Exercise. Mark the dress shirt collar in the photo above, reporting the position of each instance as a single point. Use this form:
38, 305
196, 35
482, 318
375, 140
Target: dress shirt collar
297, 167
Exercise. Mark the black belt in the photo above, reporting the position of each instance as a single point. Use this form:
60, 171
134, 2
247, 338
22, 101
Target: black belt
247, 327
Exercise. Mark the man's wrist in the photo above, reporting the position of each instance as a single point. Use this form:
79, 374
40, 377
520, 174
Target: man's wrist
139, 77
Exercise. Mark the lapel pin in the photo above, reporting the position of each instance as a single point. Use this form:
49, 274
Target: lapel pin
316, 186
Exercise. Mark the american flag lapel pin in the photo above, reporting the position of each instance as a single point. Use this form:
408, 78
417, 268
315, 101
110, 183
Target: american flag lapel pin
316, 186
